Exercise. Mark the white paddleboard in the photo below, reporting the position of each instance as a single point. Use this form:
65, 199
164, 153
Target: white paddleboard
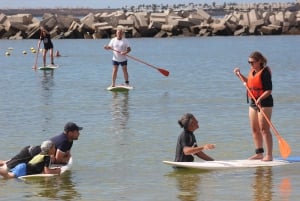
120, 88
64, 168
49, 67
227, 164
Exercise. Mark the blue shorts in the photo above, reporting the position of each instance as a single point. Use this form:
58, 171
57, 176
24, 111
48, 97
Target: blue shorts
19, 170
117, 63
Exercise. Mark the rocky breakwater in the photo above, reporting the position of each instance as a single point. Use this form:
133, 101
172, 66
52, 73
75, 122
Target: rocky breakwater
146, 24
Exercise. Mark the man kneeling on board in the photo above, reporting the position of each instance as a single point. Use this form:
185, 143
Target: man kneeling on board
186, 144
38, 164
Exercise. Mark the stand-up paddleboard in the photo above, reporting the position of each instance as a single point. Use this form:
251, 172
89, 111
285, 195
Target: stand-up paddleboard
64, 168
227, 164
291, 159
49, 67
120, 88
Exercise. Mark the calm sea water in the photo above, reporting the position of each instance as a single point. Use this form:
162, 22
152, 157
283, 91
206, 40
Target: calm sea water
126, 136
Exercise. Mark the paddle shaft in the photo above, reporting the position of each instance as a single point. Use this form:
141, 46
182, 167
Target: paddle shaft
259, 106
163, 71
37, 54
284, 147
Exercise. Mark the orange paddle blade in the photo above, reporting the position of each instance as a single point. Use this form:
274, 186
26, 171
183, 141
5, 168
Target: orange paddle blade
284, 148
164, 72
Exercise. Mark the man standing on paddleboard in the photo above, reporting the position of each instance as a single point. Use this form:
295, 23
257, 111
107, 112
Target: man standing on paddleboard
120, 47
186, 144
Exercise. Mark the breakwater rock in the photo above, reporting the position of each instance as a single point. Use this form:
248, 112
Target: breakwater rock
168, 23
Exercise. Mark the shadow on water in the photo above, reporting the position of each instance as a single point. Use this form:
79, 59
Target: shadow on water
263, 185
188, 182
46, 95
119, 109
57, 188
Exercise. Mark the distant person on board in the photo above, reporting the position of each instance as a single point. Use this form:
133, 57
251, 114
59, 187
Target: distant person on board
63, 144
48, 45
40, 163
259, 81
57, 54
120, 47
186, 144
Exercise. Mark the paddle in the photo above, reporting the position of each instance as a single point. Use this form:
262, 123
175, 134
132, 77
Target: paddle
284, 147
162, 71
36, 56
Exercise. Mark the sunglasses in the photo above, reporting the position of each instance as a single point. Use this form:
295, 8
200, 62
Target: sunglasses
251, 62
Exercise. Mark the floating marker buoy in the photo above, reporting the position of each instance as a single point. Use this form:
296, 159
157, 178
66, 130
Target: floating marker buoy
24, 52
7, 53
33, 51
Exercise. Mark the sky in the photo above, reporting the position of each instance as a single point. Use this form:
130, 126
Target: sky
4, 4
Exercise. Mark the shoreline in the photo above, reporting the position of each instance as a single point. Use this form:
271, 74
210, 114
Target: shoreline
231, 20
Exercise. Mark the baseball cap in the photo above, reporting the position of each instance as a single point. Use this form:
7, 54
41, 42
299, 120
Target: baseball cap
71, 126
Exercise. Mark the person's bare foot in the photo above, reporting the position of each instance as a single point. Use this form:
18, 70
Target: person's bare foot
256, 157
267, 158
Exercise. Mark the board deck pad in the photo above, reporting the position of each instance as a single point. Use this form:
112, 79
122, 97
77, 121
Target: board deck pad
49, 67
64, 168
227, 164
120, 88
291, 159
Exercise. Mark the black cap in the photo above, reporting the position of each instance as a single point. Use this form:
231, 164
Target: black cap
70, 126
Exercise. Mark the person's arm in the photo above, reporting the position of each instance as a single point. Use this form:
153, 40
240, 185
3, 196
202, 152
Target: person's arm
55, 170
263, 96
238, 71
204, 156
128, 49
47, 168
107, 47
198, 151
267, 85
62, 157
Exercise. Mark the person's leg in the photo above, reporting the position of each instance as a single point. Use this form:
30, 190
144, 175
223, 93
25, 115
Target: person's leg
256, 134
114, 75
51, 56
126, 76
266, 133
22, 157
44, 56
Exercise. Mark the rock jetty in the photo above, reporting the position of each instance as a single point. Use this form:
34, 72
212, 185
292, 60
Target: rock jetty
168, 23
